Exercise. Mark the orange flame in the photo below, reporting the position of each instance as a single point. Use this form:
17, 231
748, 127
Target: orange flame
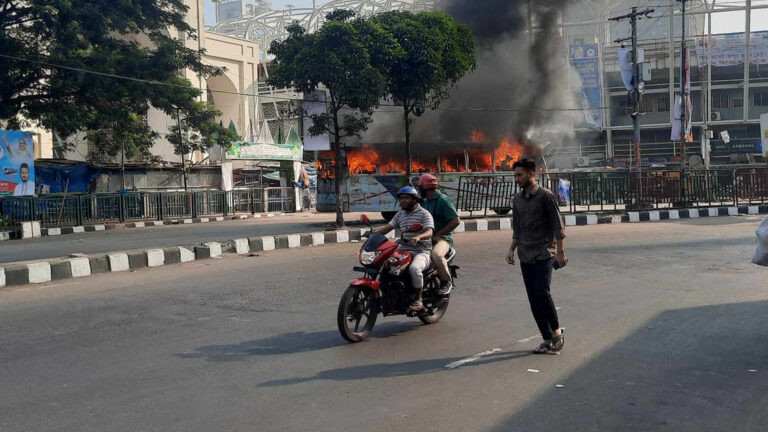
367, 160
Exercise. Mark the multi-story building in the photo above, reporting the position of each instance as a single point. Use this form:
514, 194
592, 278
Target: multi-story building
726, 94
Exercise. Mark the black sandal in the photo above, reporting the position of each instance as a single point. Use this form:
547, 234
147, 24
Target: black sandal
545, 348
558, 341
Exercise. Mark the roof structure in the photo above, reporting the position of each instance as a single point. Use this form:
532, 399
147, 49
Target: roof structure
270, 26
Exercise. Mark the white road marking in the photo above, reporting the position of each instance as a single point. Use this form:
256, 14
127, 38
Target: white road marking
528, 339
558, 307
533, 370
475, 357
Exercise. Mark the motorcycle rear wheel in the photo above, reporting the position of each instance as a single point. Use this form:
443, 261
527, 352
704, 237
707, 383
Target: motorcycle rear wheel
437, 312
357, 304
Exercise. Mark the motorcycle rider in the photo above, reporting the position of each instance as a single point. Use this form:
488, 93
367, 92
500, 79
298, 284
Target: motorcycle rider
419, 244
446, 220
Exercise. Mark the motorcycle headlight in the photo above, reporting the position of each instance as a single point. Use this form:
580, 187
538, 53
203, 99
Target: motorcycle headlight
367, 258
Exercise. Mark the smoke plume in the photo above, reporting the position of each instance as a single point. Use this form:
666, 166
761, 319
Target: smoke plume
517, 77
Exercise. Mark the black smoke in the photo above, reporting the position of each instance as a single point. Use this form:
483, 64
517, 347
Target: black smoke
517, 80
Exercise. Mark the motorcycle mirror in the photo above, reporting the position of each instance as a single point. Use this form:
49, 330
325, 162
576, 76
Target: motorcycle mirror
417, 227
364, 219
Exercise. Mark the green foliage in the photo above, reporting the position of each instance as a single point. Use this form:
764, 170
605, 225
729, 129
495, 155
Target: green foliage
346, 57
342, 57
199, 130
126, 38
436, 53
6, 223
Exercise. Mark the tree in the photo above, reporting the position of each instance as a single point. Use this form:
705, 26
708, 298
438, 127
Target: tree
346, 57
50, 49
437, 53
196, 129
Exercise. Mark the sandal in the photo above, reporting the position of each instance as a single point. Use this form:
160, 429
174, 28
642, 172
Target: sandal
558, 341
416, 306
545, 348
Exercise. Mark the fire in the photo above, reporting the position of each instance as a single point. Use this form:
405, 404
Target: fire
368, 160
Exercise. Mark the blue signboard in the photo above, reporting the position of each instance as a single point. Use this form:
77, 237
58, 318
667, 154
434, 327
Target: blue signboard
585, 61
17, 163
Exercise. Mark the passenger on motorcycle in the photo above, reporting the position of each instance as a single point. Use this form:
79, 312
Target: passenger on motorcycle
419, 244
446, 220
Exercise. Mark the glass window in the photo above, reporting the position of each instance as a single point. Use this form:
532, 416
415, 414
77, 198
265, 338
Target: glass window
663, 104
737, 103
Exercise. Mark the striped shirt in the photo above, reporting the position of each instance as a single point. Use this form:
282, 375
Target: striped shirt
403, 221
536, 223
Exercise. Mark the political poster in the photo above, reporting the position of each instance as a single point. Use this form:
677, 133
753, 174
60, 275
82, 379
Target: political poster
314, 104
17, 163
764, 133
584, 59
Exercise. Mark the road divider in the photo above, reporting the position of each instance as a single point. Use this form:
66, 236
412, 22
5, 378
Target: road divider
77, 265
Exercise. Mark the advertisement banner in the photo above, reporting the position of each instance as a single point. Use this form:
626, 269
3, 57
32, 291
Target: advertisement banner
17, 164
728, 50
584, 59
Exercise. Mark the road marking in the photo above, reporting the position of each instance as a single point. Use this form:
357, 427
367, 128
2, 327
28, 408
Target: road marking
528, 339
558, 307
533, 370
471, 359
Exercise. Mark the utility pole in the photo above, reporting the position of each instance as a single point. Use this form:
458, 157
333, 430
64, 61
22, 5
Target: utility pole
683, 107
637, 89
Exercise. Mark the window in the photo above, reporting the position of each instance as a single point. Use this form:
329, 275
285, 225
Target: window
646, 105
737, 103
720, 101
761, 98
624, 106
663, 104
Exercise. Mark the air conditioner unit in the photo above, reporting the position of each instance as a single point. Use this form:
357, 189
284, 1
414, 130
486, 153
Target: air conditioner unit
716, 116
582, 161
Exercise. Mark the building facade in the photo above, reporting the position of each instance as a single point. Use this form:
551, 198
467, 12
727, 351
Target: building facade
726, 94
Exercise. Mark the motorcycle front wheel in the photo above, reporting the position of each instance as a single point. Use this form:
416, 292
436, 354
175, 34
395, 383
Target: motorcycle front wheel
357, 313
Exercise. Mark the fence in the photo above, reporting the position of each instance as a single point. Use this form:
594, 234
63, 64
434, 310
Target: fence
615, 191
59, 210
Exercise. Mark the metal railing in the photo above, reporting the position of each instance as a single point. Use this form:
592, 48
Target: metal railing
82, 209
619, 191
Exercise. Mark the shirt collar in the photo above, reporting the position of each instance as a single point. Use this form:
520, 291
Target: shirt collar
531, 190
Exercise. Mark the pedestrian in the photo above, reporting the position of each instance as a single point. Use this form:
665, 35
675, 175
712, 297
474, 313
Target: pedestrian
538, 237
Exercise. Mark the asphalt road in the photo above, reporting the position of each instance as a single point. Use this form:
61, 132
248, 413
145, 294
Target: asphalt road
664, 332
158, 237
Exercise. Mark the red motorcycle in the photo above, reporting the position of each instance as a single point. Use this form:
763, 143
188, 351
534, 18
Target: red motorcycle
385, 287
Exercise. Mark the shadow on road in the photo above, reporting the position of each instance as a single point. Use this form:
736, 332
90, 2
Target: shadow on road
392, 370
697, 369
289, 343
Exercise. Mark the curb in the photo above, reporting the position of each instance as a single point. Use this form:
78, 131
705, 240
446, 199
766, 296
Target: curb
14, 274
144, 224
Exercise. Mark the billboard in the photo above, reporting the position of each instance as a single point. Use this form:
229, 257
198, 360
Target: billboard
729, 49
17, 163
584, 59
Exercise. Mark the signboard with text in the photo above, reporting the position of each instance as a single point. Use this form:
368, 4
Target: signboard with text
584, 59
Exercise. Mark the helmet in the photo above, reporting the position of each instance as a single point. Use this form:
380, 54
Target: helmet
408, 190
428, 181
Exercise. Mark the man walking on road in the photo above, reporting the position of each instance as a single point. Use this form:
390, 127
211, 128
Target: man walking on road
538, 226
446, 220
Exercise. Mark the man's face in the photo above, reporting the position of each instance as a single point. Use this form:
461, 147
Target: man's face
24, 173
22, 145
523, 177
406, 202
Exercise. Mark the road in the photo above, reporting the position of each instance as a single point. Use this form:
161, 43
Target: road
664, 332
163, 236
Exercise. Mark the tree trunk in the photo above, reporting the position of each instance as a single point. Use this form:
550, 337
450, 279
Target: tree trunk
339, 174
406, 118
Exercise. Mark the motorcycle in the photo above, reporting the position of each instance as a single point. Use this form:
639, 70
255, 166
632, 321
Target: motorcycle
385, 287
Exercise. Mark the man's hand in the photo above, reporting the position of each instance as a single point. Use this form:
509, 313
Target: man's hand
436, 238
511, 257
562, 261
414, 241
